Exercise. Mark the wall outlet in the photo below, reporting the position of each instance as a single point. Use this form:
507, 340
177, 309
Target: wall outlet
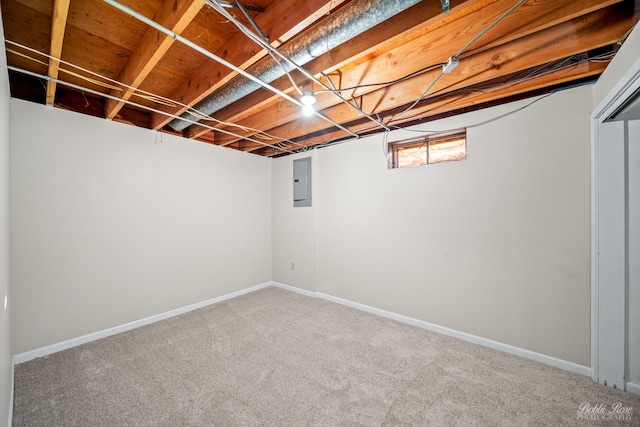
293, 266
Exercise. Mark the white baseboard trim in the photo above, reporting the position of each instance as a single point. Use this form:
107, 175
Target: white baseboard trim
294, 289
74, 342
527, 354
633, 388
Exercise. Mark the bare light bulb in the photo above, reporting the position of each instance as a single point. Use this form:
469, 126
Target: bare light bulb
308, 98
308, 110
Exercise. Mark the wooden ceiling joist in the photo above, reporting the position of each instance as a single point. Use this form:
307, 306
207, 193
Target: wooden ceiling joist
173, 15
541, 45
58, 25
424, 15
556, 42
280, 22
459, 101
410, 55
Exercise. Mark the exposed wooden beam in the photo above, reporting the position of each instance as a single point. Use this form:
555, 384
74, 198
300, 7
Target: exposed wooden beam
133, 117
174, 15
463, 100
432, 47
581, 34
72, 100
280, 22
416, 21
208, 138
58, 25
534, 16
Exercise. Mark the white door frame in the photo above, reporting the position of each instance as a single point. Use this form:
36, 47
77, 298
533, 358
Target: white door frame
608, 236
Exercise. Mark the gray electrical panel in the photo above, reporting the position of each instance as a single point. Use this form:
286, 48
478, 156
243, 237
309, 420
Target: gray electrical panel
302, 182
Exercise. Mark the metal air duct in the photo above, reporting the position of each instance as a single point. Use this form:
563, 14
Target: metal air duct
349, 22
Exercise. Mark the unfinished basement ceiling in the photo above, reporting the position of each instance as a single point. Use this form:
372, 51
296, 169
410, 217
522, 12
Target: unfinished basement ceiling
236, 70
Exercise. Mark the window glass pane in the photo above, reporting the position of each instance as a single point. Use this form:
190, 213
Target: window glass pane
447, 150
411, 155
443, 147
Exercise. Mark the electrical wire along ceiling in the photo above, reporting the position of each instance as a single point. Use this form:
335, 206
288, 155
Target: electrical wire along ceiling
278, 77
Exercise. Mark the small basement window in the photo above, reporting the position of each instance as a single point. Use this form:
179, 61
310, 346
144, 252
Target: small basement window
435, 148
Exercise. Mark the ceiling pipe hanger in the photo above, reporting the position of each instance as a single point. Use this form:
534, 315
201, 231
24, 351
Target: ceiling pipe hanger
238, 5
252, 21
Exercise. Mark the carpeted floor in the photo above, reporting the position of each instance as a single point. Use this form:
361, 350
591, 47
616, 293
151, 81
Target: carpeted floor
277, 358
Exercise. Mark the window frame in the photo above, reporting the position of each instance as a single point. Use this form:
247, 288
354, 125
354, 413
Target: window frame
394, 147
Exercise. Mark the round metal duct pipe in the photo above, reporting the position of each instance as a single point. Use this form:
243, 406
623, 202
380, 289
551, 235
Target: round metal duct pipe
349, 22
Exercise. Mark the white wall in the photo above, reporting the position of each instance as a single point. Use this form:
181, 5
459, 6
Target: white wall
634, 252
294, 229
110, 227
616, 250
496, 245
5, 326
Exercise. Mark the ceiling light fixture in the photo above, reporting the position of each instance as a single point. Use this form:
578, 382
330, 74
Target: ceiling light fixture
308, 110
308, 99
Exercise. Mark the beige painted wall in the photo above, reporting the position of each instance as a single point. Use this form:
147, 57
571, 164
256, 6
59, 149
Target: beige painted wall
634, 252
111, 227
294, 229
5, 326
619, 72
496, 245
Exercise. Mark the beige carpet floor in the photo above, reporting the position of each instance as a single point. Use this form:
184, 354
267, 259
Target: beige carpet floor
277, 358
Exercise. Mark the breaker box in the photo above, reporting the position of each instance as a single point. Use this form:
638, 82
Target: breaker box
302, 182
